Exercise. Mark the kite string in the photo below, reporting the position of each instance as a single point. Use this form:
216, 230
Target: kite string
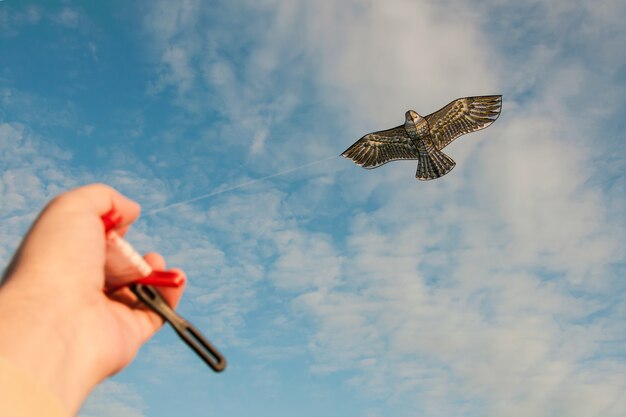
235, 187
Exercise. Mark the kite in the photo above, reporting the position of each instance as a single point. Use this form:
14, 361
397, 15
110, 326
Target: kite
423, 138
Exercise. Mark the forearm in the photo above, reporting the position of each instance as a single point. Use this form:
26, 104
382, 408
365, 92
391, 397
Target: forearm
37, 343
22, 396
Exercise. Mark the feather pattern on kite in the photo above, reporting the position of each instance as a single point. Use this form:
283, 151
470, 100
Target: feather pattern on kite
423, 138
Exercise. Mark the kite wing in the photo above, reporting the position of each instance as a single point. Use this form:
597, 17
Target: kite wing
378, 148
464, 115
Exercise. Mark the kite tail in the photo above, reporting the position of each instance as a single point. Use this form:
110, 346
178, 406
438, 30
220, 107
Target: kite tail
433, 164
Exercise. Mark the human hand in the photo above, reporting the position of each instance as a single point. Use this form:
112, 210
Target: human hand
56, 321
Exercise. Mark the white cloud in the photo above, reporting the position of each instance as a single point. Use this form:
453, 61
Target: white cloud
30, 176
177, 71
113, 399
36, 111
478, 287
488, 292
11, 21
305, 260
465, 288
407, 54
251, 98
67, 17
166, 21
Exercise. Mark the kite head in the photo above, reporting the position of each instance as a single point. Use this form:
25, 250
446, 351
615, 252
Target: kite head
413, 117
414, 122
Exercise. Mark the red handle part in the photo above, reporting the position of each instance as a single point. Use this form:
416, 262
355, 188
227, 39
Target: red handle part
111, 220
163, 279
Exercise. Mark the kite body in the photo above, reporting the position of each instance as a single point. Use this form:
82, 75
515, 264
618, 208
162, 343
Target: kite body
423, 138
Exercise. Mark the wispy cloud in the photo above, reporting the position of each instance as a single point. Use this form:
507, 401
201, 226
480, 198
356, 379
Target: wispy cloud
113, 399
482, 286
245, 89
16, 17
30, 176
67, 17
12, 21
493, 291
485, 283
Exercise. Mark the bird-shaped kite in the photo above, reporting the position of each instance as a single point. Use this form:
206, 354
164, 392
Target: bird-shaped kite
423, 138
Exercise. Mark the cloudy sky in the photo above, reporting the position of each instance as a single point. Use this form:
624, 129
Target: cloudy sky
497, 290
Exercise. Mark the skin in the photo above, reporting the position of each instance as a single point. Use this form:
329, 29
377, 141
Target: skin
56, 322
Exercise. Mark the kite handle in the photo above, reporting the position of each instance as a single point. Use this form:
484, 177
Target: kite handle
190, 335
124, 261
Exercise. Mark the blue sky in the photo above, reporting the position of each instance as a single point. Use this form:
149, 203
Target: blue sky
497, 290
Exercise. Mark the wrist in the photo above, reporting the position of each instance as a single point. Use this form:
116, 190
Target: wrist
21, 395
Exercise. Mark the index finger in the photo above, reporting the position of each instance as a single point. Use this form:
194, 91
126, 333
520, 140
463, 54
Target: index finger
70, 230
97, 199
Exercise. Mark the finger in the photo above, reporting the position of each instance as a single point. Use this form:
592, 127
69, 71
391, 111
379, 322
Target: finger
79, 213
68, 235
171, 295
118, 276
155, 260
71, 215
151, 321
97, 199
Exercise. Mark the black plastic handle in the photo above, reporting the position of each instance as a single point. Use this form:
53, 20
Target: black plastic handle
192, 336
